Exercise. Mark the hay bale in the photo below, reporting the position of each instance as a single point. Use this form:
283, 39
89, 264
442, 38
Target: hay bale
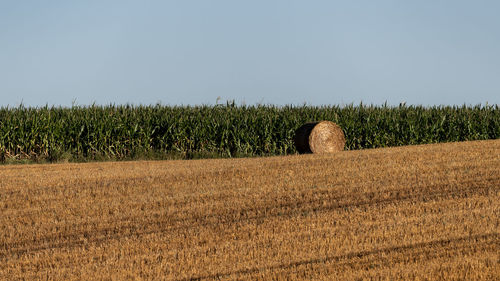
319, 137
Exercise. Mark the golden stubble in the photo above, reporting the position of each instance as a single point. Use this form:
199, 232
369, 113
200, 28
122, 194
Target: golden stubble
420, 212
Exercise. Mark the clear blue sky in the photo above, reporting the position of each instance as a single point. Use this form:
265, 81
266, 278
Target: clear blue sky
427, 52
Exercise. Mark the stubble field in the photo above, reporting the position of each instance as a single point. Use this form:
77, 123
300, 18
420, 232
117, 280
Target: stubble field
421, 212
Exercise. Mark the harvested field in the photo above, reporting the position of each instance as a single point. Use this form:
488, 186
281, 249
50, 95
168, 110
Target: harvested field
428, 212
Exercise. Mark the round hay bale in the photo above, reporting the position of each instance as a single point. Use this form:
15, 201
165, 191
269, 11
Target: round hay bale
319, 137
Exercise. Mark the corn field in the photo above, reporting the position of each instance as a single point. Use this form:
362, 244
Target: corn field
120, 132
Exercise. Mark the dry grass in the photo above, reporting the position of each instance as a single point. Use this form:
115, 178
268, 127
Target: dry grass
421, 212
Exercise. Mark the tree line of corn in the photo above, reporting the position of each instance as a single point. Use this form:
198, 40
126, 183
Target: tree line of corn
161, 132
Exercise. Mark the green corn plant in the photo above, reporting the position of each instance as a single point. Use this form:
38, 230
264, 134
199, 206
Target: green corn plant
118, 132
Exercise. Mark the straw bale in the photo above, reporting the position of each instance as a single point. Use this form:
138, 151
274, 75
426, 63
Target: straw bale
319, 137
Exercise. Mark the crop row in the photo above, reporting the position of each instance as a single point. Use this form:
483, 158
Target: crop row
82, 133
